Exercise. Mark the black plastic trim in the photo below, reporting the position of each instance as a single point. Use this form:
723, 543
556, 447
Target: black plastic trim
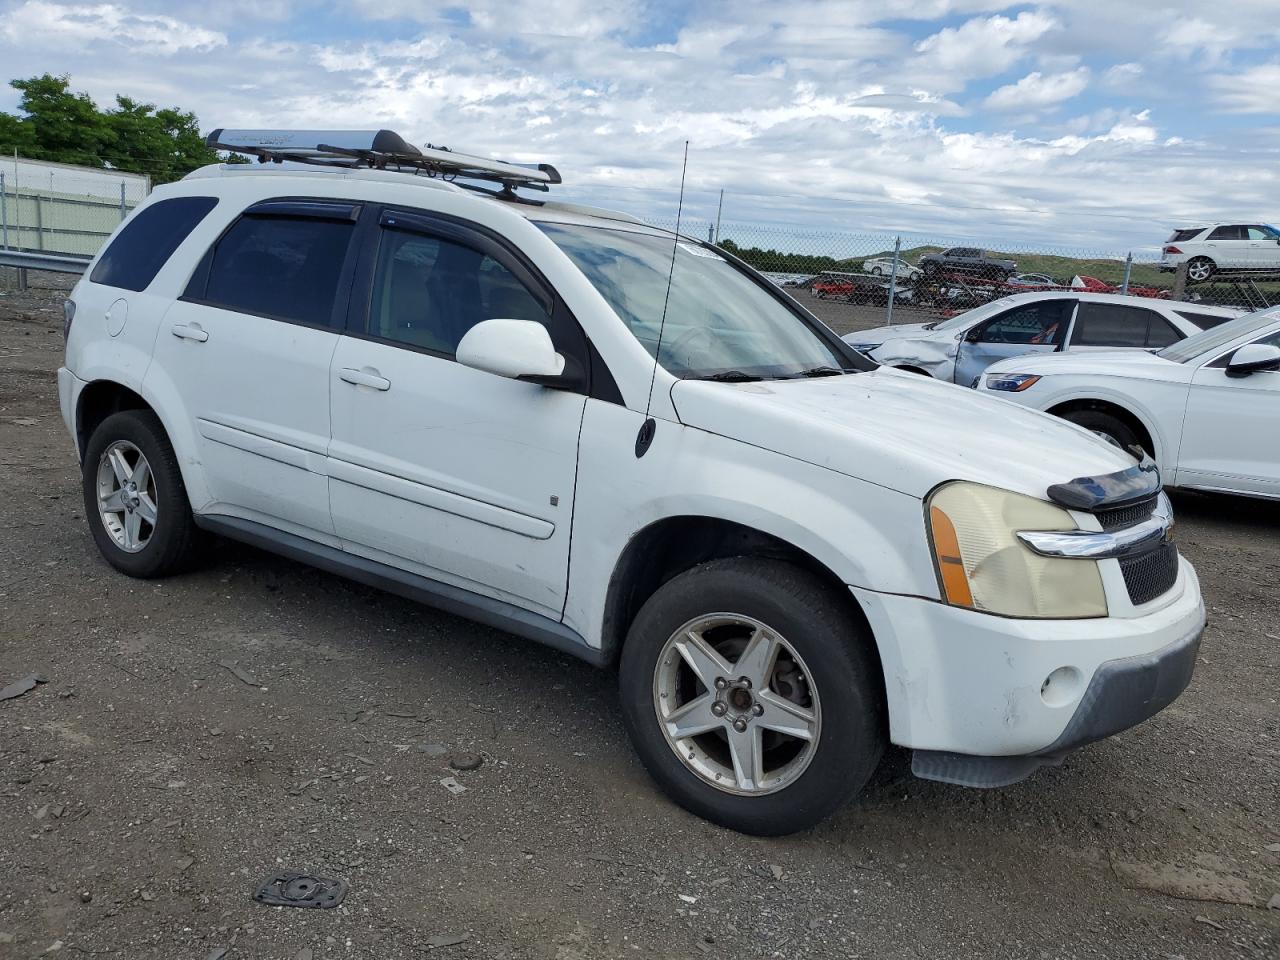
1111, 490
443, 596
298, 207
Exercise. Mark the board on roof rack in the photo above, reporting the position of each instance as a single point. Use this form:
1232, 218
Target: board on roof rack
382, 150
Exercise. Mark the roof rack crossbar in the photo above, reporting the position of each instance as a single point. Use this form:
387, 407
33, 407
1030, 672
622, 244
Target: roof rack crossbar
382, 150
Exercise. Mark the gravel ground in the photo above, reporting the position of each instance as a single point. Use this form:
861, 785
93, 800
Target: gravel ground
147, 787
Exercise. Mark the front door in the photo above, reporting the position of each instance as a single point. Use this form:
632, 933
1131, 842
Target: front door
1038, 327
247, 348
1230, 438
446, 471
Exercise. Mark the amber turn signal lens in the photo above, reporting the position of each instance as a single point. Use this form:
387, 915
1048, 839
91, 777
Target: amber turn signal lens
946, 546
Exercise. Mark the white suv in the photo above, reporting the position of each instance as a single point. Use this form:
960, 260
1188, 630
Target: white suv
792, 556
1218, 247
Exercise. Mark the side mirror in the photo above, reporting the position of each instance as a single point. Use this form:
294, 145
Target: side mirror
974, 335
1253, 358
518, 349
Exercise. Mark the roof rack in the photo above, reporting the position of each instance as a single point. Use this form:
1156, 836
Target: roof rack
381, 150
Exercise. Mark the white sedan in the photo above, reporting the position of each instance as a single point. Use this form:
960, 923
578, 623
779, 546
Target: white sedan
1206, 408
960, 348
883, 267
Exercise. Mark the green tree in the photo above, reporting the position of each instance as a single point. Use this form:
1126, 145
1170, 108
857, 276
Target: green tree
60, 125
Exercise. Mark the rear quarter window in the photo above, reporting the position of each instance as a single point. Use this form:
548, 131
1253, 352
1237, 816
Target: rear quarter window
1205, 321
1182, 236
147, 242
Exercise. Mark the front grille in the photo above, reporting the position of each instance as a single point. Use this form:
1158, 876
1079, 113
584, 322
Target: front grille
1126, 516
1151, 574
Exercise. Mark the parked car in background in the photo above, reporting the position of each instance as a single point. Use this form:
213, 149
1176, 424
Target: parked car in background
1207, 249
1094, 285
970, 260
792, 556
1032, 280
883, 267
1206, 408
960, 348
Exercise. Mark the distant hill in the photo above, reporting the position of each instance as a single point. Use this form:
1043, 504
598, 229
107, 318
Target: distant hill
1061, 269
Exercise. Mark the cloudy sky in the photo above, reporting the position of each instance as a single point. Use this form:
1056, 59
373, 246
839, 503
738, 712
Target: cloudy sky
1068, 123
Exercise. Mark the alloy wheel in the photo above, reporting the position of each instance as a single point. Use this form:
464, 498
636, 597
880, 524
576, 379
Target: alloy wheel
126, 496
737, 704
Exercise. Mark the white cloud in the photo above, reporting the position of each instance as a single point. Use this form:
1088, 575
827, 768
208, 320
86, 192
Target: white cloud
982, 47
1122, 76
79, 25
1036, 91
1255, 90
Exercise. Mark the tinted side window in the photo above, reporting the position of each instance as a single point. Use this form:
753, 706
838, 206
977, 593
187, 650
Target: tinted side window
1204, 321
1227, 233
1111, 325
1035, 323
1161, 333
148, 241
428, 292
1180, 236
281, 267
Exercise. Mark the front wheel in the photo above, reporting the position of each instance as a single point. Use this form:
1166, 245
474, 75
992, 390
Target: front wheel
1108, 427
751, 695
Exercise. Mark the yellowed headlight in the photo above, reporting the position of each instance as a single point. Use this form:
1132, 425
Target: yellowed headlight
982, 564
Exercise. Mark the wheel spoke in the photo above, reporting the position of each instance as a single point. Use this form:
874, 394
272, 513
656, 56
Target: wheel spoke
146, 508
702, 659
693, 718
783, 716
748, 757
756, 662
132, 529
112, 502
120, 466
141, 473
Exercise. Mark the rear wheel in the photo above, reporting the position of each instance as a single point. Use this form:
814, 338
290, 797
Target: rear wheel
1200, 269
134, 497
751, 696
1105, 425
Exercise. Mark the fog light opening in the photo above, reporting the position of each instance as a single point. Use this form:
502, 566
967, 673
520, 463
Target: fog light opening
1062, 687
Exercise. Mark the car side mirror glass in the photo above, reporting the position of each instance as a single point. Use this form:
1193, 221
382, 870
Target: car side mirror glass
1253, 358
518, 349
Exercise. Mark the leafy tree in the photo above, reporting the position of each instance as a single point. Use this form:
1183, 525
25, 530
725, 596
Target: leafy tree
66, 127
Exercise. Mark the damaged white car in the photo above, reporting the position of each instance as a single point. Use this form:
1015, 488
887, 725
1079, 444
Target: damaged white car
961, 348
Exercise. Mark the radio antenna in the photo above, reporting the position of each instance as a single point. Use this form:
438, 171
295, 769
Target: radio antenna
649, 427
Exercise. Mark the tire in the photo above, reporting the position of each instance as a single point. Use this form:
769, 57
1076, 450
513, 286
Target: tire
821, 643
1105, 425
1200, 269
166, 543
876, 272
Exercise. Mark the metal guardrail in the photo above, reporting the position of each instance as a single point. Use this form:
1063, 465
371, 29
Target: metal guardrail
24, 260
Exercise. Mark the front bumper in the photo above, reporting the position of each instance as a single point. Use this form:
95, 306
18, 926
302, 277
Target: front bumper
984, 700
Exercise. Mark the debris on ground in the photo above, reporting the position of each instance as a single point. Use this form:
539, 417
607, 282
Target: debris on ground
453, 786
241, 674
776, 871
217, 953
433, 749
1201, 918
445, 940
1185, 883
19, 687
466, 761
1274, 902
291, 889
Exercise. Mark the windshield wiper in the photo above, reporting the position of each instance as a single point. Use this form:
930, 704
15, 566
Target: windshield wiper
729, 376
822, 372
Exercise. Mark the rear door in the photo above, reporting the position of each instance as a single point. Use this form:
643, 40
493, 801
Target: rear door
1037, 327
449, 472
1228, 247
1230, 438
1100, 325
248, 347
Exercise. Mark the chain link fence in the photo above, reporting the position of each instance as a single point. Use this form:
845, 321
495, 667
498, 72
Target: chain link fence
859, 280
55, 208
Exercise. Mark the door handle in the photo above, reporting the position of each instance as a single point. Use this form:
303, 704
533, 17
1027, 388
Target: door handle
364, 378
190, 331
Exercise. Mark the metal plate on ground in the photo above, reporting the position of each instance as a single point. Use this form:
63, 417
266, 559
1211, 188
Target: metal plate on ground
289, 889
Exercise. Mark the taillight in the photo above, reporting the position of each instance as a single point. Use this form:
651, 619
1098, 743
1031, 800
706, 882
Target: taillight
68, 314
1172, 250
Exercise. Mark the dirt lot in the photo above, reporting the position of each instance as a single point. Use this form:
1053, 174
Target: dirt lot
145, 789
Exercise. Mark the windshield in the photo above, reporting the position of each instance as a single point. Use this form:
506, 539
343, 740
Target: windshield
961, 320
1210, 340
720, 323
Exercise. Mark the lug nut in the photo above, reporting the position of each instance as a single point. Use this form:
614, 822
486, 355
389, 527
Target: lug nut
757, 709
745, 681
721, 683
718, 709
740, 725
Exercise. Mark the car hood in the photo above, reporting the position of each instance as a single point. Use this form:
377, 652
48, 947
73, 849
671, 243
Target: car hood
1103, 363
900, 430
878, 335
